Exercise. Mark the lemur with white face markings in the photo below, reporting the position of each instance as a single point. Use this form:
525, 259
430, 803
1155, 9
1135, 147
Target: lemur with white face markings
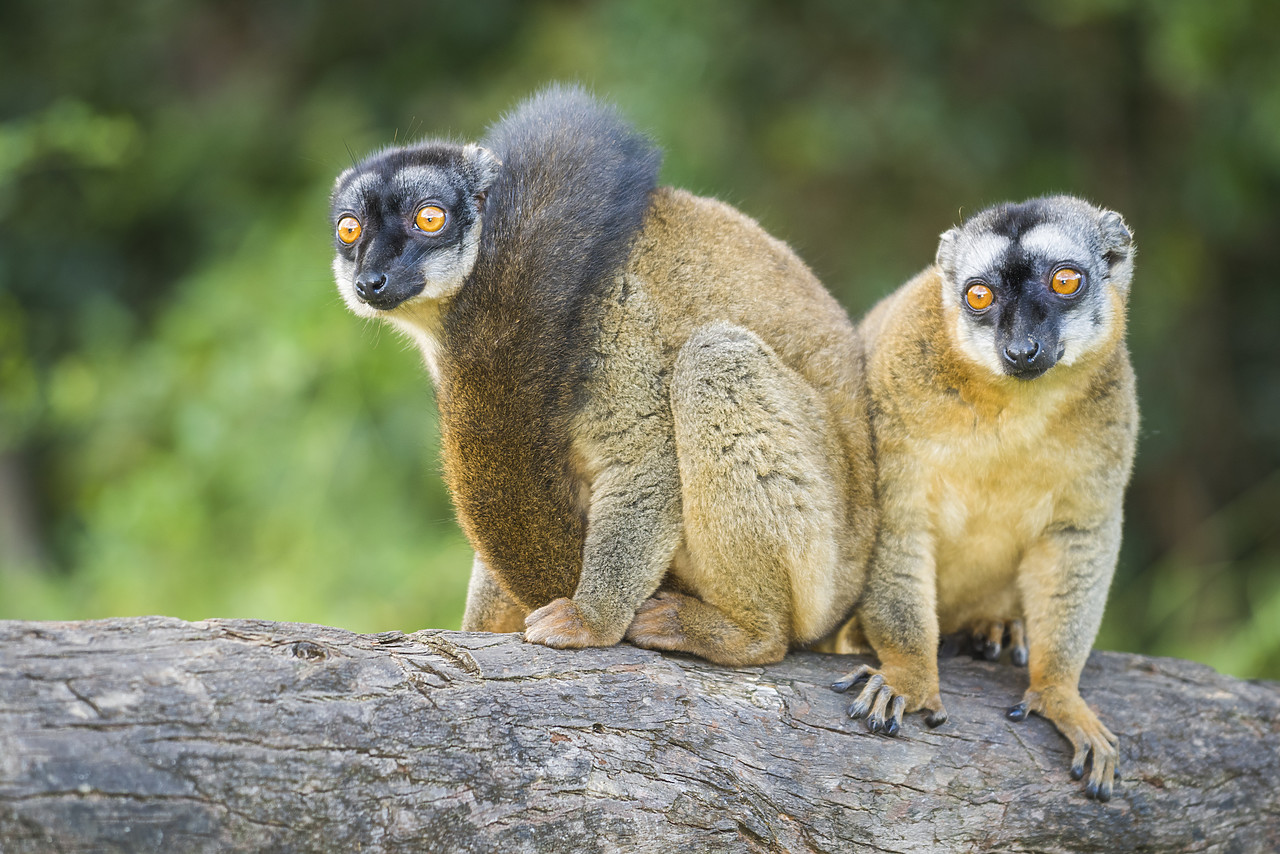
653, 421
1004, 415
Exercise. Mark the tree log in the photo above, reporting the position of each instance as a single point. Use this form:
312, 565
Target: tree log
154, 734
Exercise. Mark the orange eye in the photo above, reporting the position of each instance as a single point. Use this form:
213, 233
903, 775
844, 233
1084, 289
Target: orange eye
979, 296
1066, 281
348, 230
430, 219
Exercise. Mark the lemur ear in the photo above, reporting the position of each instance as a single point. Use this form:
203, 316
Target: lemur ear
486, 165
1115, 234
945, 259
1117, 247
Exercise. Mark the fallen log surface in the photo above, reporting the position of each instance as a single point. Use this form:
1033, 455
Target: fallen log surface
154, 734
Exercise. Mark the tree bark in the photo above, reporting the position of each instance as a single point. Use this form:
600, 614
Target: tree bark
154, 734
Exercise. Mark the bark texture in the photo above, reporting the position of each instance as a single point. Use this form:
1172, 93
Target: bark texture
155, 734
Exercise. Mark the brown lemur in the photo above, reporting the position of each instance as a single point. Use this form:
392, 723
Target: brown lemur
1004, 417
652, 414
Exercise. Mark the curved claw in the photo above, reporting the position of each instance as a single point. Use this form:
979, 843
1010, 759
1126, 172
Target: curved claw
1103, 775
876, 719
850, 679
1018, 643
895, 715
862, 705
1100, 781
995, 636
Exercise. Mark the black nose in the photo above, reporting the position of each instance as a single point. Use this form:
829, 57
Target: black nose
368, 285
1022, 355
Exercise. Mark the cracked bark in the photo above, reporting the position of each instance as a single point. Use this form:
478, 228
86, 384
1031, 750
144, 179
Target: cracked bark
155, 734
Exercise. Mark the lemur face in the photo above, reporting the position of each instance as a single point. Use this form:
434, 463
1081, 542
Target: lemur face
406, 224
1033, 284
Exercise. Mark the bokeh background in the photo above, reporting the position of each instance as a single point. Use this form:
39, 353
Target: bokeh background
192, 425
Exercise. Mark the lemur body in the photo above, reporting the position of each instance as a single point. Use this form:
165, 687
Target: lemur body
1005, 418
652, 414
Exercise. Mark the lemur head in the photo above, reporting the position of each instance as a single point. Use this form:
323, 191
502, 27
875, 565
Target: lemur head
1033, 284
406, 224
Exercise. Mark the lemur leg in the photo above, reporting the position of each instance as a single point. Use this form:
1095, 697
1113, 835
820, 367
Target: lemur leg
1064, 579
489, 608
628, 454
898, 611
760, 507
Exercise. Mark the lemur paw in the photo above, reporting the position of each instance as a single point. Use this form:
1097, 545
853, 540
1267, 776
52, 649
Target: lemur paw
883, 704
1090, 740
987, 638
657, 623
562, 624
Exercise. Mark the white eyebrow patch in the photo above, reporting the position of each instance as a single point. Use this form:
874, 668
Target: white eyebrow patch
980, 255
361, 187
1049, 241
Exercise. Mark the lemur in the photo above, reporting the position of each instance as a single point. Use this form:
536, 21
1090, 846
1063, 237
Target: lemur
653, 416
1004, 415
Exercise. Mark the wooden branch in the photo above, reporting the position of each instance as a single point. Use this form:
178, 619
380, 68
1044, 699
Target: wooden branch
155, 734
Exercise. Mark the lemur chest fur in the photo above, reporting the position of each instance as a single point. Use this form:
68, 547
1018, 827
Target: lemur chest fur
992, 482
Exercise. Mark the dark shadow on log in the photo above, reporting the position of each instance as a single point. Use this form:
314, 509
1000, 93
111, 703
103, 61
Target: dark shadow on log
158, 735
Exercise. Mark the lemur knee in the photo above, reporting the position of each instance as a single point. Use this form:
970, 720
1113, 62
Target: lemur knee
720, 365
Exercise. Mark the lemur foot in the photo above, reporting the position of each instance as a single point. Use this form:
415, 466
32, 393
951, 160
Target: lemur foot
1089, 738
988, 637
657, 623
883, 704
676, 622
561, 624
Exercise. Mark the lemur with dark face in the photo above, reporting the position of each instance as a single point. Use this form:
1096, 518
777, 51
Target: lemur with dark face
1004, 417
652, 414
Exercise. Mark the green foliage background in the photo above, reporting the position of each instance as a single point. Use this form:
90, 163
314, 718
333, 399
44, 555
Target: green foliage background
191, 424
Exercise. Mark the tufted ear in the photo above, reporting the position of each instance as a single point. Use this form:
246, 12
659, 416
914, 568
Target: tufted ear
945, 258
485, 165
1117, 248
